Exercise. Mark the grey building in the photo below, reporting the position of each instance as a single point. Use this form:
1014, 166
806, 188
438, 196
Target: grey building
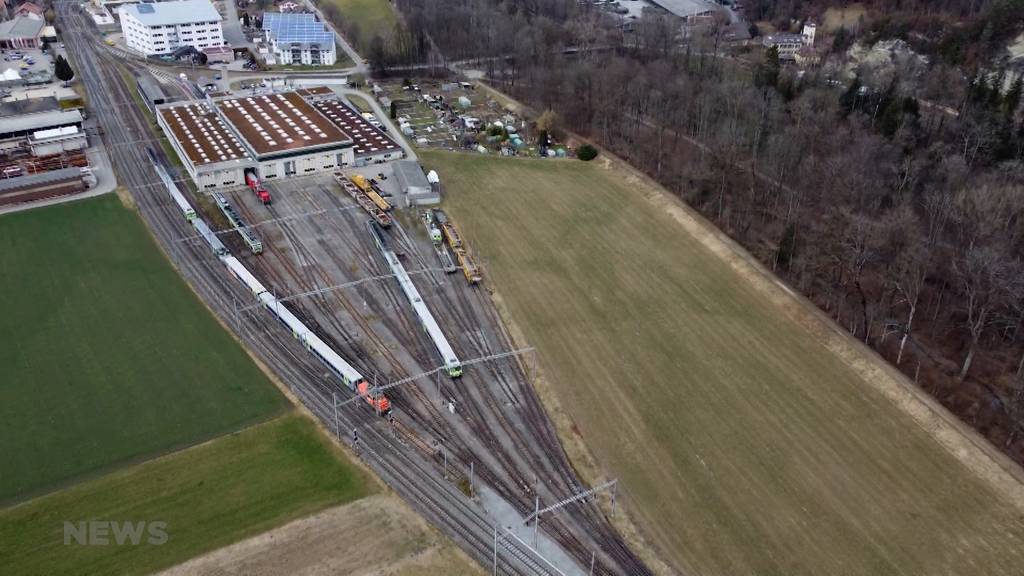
413, 184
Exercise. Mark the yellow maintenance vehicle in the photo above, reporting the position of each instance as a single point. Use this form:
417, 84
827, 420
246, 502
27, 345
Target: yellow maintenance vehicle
451, 235
371, 191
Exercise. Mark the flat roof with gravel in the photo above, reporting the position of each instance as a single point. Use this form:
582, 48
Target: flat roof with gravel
367, 139
276, 123
201, 133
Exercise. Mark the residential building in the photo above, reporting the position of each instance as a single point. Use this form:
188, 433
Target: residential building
165, 27
29, 10
810, 28
299, 39
687, 9
21, 32
786, 44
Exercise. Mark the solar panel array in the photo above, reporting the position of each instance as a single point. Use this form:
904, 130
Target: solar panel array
202, 134
367, 139
289, 28
275, 122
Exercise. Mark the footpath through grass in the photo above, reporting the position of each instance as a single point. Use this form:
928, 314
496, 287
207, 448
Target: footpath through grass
744, 446
107, 355
206, 497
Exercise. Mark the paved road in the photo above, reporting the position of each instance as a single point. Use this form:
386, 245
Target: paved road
233, 34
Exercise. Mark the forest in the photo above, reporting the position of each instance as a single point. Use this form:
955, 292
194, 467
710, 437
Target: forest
893, 200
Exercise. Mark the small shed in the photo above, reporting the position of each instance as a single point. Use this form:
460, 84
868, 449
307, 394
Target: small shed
151, 92
412, 182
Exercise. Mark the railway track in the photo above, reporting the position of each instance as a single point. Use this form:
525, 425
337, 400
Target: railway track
413, 471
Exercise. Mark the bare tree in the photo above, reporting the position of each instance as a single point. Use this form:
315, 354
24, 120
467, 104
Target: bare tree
983, 276
911, 271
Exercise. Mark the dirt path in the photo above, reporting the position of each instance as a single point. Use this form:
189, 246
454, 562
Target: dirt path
378, 535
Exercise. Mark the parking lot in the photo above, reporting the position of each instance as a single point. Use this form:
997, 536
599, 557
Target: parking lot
29, 61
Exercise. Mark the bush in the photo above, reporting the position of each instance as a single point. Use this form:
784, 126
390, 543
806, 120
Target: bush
586, 152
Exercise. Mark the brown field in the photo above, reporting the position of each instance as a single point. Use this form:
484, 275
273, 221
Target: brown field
378, 535
750, 436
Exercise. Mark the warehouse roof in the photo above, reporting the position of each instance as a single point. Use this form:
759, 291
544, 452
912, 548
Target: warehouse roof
11, 184
276, 123
202, 134
302, 28
29, 106
367, 139
39, 121
150, 88
21, 27
410, 174
170, 13
685, 8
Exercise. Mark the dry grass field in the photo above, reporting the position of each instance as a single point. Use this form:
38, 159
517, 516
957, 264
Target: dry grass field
745, 443
374, 536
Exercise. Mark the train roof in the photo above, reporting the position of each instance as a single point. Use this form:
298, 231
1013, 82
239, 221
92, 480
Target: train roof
426, 318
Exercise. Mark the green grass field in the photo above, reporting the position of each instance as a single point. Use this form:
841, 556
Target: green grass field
207, 496
107, 358
372, 16
744, 446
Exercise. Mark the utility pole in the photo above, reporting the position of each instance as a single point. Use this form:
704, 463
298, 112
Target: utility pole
495, 573
536, 518
593, 556
614, 490
471, 491
334, 401
444, 452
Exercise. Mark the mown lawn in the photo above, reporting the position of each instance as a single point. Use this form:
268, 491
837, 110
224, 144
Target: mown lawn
743, 444
108, 357
206, 497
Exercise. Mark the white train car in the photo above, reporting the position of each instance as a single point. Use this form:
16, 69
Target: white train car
172, 188
216, 245
349, 375
244, 276
452, 365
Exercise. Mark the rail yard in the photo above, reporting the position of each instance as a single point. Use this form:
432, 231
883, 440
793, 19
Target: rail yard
448, 437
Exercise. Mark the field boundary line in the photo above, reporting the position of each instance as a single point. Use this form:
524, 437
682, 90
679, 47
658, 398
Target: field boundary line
963, 442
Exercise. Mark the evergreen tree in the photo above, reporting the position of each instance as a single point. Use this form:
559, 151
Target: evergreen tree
62, 70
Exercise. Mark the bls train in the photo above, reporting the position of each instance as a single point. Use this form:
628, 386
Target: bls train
349, 375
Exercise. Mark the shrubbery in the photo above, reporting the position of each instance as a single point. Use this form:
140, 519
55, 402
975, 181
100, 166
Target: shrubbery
586, 152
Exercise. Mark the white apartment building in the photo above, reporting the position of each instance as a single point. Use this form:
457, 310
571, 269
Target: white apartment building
164, 27
299, 38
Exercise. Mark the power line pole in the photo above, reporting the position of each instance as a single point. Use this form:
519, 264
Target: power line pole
334, 401
536, 518
495, 573
593, 557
